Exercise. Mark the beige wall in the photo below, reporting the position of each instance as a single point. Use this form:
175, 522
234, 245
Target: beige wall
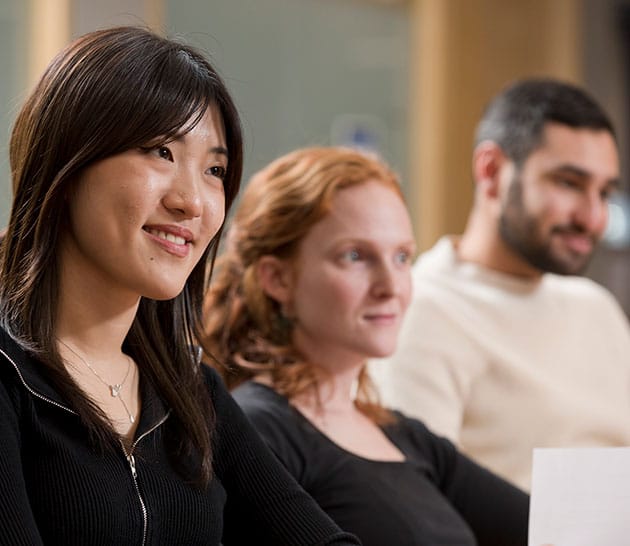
463, 52
53, 23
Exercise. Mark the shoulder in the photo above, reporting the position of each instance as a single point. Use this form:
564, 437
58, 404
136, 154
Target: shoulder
10, 352
578, 286
13, 366
16, 363
421, 439
440, 258
262, 404
280, 425
441, 281
446, 463
582, 291
212, 379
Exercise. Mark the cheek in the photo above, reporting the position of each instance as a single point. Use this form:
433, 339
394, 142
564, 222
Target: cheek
555, 213
213, 215
318, 293
406, 290
342, 294
554, 204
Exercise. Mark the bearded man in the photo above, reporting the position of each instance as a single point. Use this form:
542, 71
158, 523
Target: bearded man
504, 348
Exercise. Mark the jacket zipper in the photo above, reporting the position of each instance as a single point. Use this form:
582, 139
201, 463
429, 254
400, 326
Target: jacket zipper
132, 465
35, 393
130, 458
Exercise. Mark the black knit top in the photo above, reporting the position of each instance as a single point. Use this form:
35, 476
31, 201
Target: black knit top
435, 497
55, 488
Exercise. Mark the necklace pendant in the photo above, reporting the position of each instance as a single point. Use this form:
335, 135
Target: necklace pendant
114, 390
132, 419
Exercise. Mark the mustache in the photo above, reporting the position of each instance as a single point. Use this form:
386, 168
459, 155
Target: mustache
574, 229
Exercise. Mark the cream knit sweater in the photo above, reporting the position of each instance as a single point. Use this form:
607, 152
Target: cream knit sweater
501, 365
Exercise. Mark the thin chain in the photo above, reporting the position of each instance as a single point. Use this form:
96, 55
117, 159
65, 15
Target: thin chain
114, 390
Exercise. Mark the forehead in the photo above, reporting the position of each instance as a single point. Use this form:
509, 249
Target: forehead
368, 211
592, 151
209, 127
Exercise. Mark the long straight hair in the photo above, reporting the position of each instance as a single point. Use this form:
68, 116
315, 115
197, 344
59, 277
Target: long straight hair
107, 92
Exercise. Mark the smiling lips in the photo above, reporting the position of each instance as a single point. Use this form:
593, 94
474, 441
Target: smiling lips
173, 239
578, 243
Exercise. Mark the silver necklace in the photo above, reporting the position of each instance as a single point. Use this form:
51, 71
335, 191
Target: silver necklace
114, 390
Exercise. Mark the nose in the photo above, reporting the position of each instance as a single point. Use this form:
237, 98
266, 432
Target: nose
183, 196
384, 284
592, 214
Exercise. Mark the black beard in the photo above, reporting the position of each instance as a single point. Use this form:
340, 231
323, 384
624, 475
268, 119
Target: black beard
519, 231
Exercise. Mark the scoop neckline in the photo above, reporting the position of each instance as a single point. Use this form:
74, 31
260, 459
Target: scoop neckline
328, 439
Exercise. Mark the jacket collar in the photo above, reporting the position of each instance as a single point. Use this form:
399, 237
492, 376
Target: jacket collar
29, 370
31, 374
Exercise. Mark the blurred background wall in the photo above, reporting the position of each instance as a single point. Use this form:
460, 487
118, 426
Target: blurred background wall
406, 78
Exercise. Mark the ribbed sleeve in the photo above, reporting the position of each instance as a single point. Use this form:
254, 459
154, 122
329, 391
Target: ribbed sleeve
265, 504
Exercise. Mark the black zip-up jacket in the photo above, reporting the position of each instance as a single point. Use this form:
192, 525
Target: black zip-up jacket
57, 489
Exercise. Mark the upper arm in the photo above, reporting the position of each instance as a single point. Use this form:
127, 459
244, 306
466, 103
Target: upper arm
495, 510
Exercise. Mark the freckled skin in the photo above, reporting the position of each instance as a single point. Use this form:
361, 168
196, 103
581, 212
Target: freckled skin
107, 247
353, 282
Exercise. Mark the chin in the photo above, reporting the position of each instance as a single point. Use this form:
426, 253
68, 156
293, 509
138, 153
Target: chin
164, 294
382, 352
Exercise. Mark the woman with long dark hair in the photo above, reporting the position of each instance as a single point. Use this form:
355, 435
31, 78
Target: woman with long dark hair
124, 160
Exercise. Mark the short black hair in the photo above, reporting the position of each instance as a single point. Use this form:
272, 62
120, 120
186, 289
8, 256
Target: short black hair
516, 117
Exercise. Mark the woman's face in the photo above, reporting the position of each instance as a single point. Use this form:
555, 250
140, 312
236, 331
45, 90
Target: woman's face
352, 280
139, 221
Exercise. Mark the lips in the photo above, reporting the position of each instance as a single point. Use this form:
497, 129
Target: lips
581, 245
381, 318
578, 243
175, 240
168, 236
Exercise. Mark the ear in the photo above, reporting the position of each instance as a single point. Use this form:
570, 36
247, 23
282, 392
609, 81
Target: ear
275, 277
488, 162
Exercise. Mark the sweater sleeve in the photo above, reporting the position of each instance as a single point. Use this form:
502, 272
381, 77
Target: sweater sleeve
265, 505
17, 523
495, 510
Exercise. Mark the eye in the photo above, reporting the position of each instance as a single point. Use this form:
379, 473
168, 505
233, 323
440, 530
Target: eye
162, 152
608, 193
403, 257
219, 171
352, 255
569, 183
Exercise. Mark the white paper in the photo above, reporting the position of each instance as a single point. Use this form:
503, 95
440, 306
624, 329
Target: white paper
580, 497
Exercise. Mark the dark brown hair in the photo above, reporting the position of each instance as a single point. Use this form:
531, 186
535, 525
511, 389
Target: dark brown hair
279, 206
516, 118
107, 92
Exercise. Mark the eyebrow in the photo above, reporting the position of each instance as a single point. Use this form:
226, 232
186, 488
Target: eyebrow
369, 242
221, 150
577, 171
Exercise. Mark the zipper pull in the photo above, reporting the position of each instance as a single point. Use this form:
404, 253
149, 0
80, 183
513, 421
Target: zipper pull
132, 464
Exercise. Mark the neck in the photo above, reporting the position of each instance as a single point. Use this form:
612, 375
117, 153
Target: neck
95, 335
336, 391
482, 244
92, 317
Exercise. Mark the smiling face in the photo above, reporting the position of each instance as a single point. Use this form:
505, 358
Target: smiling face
555, 208
351, 282
139, 221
